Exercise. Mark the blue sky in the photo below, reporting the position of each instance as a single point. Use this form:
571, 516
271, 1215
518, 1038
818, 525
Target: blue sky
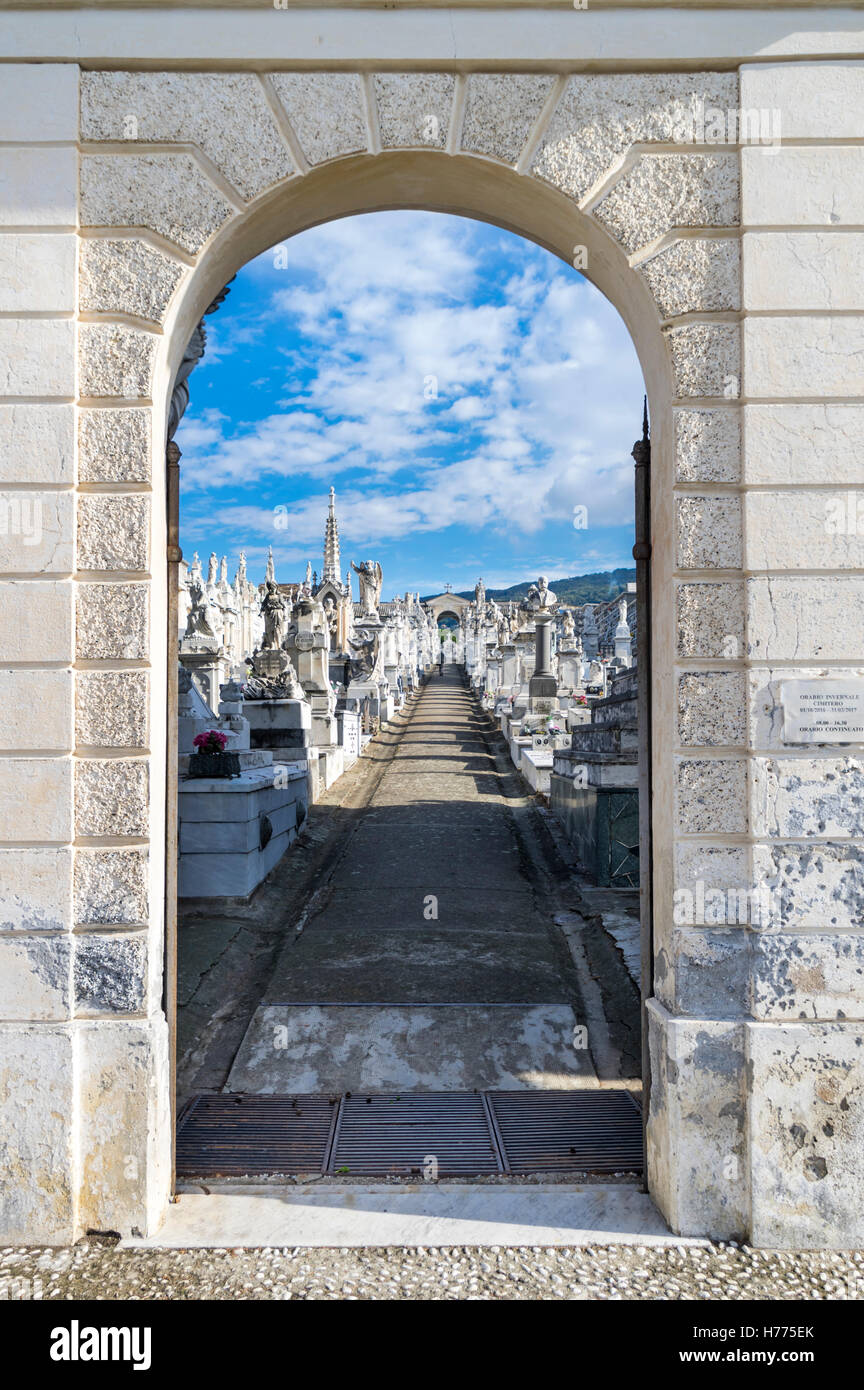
462, 389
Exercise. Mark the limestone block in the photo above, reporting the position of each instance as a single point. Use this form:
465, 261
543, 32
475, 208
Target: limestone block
709, 881
802, 530
35, 889
110, 973
110, 887
764, 699
35, 978
168, 193
600, 116
796, 618
44, 694
38, 187
803, 270
807, 1134
706, 359
500, 112
696, 275
816, 101
817, 186
712, 708
113, 532
37, 357
111, 709
37, 800
37, 530
112, 621
124, 1126
807, 975
816, 887
36, 1135
111, 797
710, 620
37, 443
127, 276
704, 972
35, 620
804, 355
709, 532
326, 112
115, 360
40, 102
790, 443
114, 445
708, 445
662, 191
697, 1124
795, 798
225, 114
37, 273
712, 796
414, 108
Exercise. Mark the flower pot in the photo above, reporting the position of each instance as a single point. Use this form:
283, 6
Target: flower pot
214, 765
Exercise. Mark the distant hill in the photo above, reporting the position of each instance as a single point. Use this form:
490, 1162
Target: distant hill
581, 588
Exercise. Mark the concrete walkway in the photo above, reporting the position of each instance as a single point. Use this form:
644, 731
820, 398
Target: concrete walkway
431, 960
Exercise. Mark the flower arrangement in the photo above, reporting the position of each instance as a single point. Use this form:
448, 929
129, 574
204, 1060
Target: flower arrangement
210, 742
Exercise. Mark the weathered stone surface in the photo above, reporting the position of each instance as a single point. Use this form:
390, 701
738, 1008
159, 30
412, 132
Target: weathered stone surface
803, 270
35, 620
794, 798
126, 276
663, 191
22, 693
696, 275
37, 443
110, 973
114, 445
113, 532
225, 114
112, 621
812, 975
39, 97
600, 116
709, 533
54, 171
803, 530
111, 709
37, 800
783, 353
34, 978
807, 1134
37, 357
816, 186
326, 111
35, 889
712, 708
168, 193
815, 101
709, 880
816, 887
110, 887
786, 617
710, 620
792, 443
37, 534
704, 973
37, 1133
712, 796
706, 359
414, 108
111, 797
707, 446
115, 360
37, 273
500, 111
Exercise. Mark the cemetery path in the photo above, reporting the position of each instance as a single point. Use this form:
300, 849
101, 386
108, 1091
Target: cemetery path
429, 957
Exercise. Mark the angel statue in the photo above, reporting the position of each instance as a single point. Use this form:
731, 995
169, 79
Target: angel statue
371, 578
275, 617
198, 622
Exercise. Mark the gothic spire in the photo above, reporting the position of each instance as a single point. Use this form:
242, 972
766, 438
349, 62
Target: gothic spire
331, 544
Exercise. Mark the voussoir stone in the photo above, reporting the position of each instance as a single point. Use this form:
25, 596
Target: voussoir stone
500, 111
414, 108
225, 114
326, 111
115, 360
110, 886
113, 532
114, 445
695, 275
126, 276
111, 709
167, 193
110, 972
112, 622
111, 796
664, 191
600, 116
706, 359
708, 445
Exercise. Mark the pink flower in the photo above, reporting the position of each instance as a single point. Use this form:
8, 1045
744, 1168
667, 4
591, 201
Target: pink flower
213, 741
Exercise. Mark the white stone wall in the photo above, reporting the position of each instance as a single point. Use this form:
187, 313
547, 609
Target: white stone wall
751, 347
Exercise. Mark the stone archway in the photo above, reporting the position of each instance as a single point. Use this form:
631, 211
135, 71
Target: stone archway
449, 606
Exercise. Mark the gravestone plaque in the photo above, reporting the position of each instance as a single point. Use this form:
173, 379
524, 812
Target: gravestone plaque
823, 711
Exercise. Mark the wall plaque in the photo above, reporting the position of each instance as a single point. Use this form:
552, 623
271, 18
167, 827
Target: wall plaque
823, 711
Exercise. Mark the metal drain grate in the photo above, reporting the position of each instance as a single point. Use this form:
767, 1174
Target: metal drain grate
395, 1134
230, 1136
568, 1131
